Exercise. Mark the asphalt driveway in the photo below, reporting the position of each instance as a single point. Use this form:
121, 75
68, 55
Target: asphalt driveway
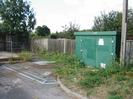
29, 81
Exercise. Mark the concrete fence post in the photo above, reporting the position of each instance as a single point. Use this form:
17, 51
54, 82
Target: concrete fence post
64, 46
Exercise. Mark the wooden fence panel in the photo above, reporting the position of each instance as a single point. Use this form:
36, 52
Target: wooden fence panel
70, 46
61, 45
37, 44
54, 45
129, 51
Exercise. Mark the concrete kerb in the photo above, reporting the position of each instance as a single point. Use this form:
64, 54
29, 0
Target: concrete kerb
6, 55
72, 94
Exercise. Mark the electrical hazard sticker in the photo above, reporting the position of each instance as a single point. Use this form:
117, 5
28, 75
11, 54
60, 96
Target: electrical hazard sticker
101, 42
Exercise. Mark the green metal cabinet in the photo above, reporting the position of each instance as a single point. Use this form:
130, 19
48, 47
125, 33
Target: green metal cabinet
96, 48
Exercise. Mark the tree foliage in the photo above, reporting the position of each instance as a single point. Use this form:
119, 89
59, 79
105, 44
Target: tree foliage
17, 16
130, 21
42, 30
112, 22
68, 31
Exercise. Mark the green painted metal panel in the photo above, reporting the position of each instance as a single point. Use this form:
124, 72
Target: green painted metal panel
88, 51
105, 53
96, 48
78, 47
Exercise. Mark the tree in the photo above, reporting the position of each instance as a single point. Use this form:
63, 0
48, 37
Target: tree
112, 22
69, 30
42, 30
17, 16
53, 36
130, 21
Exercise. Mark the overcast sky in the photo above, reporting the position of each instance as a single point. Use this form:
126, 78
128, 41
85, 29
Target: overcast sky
57, 13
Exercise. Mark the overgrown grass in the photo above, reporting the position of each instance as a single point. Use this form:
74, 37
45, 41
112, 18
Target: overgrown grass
60, 58
117, 79
25, 56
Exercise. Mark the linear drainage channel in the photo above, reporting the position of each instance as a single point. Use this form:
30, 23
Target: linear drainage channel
40, 80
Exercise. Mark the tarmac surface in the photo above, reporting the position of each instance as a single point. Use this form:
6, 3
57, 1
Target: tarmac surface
29, 81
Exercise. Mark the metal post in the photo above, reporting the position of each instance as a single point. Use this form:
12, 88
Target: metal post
124, 31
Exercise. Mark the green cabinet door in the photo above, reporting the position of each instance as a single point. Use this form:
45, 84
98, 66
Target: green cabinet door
104, 51
89, 51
